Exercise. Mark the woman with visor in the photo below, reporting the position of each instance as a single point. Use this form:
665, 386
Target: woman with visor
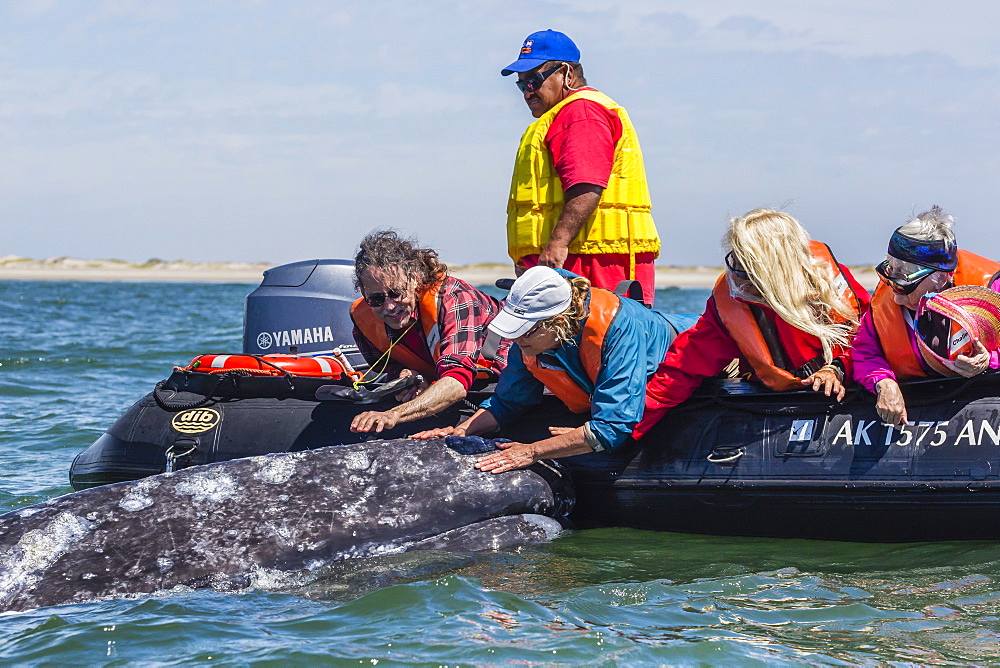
785, 308
923, 258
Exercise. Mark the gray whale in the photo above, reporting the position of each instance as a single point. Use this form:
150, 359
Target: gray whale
221, 523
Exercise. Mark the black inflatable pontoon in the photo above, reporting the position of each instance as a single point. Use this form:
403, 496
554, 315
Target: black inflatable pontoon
734, 459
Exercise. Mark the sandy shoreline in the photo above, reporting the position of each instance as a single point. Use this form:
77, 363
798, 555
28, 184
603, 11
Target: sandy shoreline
14, 268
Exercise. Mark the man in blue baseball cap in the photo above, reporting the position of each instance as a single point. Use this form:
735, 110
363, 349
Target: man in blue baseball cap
595, 221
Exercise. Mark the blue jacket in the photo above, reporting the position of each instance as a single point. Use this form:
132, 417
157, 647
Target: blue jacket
635, 344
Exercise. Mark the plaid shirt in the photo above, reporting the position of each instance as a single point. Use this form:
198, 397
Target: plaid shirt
463, 314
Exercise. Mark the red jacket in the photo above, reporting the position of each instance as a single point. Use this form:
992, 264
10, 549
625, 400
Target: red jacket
708, 347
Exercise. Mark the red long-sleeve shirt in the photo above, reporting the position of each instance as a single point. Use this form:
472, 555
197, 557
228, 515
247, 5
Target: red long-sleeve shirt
708, 347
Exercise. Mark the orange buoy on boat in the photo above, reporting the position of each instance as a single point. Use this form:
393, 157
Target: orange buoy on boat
268, 365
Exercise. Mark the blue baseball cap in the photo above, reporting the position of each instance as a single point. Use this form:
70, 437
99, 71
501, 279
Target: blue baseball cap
541, 47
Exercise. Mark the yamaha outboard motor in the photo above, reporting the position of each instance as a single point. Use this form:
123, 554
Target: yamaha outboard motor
303, 308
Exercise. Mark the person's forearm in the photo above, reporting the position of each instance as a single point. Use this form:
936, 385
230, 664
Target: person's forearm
579, 204
565, 445
481, 422
512, 456
439, 396
868, 361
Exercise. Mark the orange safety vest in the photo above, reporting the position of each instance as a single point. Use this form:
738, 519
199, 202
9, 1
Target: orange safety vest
890, 324
604, 306
376, 331
741, 324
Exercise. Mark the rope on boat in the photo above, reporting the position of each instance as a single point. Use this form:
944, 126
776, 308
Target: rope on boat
948, 396
854, 395
186, 405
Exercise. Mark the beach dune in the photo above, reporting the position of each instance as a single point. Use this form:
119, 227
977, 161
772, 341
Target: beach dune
14, 268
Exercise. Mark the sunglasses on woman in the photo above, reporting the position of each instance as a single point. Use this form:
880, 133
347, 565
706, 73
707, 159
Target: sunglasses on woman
902, 285
378, 298
534, 330
534, 81
731, 266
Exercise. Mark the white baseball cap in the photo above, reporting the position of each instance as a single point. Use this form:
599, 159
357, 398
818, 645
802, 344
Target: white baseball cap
540, 293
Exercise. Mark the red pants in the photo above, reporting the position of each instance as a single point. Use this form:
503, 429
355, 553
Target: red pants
607, 271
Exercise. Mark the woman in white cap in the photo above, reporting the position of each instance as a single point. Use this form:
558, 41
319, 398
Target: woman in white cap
589, 347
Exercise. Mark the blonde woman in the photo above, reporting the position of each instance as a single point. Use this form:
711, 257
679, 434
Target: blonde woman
785, 308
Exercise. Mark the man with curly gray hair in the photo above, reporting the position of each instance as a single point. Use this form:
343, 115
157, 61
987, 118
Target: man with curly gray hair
415, 319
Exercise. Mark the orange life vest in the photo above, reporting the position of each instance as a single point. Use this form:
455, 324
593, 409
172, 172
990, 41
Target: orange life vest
890, 323
743, 327
604, 305
376, 331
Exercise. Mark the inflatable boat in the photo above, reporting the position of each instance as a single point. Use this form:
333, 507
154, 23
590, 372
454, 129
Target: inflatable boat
734, 459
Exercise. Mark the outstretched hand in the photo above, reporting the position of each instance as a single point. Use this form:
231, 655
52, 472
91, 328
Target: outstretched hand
511, 456
439, 432
828, 381
373, 421
890, 405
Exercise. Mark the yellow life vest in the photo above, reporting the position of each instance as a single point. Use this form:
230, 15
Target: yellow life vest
622, 222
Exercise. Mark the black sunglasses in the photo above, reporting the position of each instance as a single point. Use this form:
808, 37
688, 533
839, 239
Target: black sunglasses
537, 327
377, 299
738, 273
535, 81
902, 285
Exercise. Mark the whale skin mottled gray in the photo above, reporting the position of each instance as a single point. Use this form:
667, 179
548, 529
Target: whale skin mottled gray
288, 512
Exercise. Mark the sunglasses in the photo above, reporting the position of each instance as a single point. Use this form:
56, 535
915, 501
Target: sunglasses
902, 285
730, 265
531, 332
377, 299
534, 82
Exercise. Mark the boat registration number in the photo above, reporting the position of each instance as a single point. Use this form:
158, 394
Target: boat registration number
930, 434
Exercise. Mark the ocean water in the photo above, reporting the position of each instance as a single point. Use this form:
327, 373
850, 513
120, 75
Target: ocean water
73, 356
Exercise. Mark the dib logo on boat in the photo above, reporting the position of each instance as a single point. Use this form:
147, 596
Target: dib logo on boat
196, 421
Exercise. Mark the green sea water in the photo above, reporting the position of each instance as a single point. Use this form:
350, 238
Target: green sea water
74, 356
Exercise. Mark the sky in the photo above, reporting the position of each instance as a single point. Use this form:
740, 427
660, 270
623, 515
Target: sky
285, 130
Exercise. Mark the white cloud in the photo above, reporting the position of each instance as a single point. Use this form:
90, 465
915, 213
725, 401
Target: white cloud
147, 124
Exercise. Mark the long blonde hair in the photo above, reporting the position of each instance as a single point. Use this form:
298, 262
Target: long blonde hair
773, 248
